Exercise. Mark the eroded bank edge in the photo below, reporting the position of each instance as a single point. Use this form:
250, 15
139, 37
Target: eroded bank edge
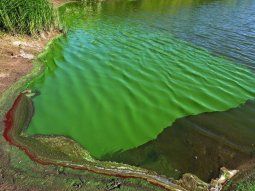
52, 150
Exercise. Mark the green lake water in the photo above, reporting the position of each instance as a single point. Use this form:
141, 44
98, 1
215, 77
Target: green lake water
126, 70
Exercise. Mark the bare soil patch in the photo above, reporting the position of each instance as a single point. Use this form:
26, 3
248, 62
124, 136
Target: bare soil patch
17, 54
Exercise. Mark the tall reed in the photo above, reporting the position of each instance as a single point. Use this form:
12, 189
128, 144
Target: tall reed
26, 16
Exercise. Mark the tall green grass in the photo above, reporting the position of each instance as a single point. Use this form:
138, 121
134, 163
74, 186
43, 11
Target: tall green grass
26, 16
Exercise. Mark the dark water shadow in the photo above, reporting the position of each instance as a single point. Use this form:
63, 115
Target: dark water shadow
198, 144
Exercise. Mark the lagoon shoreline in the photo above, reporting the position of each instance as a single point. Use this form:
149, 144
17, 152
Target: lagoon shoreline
8, 151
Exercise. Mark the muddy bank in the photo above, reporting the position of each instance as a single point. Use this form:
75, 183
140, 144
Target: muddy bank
62, 151
17, 54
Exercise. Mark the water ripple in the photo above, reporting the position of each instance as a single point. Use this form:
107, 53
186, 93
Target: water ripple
119, 81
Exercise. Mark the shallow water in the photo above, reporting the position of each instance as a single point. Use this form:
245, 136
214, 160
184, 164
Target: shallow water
200, 144
126, 70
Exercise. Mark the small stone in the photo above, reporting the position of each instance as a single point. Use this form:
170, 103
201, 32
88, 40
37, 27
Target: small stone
20, 43
4, 75
17, 43
43, 35
28, 56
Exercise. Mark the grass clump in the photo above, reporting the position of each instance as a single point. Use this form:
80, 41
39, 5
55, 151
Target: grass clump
246, 186
26, 16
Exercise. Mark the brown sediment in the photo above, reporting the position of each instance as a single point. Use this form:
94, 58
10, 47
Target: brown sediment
18, 118
13, 64
13, 67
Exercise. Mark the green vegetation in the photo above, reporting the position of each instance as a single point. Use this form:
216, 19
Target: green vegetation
26, 16
247, 185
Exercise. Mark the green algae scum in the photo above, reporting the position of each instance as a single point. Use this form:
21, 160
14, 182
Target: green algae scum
128, 75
